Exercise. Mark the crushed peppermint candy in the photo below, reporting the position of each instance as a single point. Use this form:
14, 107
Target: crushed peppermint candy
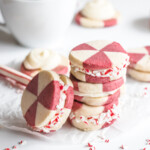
14, 147
122, 147
102, 118
147, 141
91, 146
145, 91
20, 143
114, 72
107, 141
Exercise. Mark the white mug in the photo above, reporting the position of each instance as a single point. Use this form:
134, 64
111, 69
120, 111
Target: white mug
38, 23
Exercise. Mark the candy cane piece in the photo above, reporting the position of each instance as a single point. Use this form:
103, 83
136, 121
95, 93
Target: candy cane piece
14, 75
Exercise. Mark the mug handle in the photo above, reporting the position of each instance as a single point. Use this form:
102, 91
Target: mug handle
3, 27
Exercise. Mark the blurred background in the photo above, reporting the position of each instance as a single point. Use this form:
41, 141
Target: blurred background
132, 31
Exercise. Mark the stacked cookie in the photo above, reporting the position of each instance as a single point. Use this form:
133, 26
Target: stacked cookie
139, 67
98, 71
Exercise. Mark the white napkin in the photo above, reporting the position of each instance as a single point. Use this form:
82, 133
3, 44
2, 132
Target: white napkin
134, 109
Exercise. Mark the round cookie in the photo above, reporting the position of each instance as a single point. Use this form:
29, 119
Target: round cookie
139, 75
47, 101
91, 23
42, 59
96, 62
140, 59
89, 118
97, 101
97, 14
90, 88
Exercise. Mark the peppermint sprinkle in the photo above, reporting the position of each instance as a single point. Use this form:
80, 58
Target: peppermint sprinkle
20, 143
91, 147
107, 141
147, 141
14, 147
145, 91
121, 147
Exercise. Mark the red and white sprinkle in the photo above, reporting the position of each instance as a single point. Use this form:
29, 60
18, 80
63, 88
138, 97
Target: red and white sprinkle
91, 146
14, 147
107, 141
147, 141
122, 147
20, 143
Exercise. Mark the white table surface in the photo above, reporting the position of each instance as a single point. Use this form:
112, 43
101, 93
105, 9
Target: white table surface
133, 31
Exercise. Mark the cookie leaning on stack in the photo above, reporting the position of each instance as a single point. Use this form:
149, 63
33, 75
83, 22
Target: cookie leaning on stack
47, 101
100, 69
139, 67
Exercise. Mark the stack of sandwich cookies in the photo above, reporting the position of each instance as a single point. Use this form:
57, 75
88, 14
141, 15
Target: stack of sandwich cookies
47, 101
139, 67
98, 14
109, 60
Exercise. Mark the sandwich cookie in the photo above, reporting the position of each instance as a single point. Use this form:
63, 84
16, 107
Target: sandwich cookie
97, 101
139, 67
139, 75
43, 59
98, 14
47, 101
89, 118
90, 88
95, 61
140, 58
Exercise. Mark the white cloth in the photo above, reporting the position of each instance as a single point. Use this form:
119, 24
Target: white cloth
134, 109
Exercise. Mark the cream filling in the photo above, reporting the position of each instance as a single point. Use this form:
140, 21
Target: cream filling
112, 73
99, 119
98, 10
57, 118
103, 94
41, 59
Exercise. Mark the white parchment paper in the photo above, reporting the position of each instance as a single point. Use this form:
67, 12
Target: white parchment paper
135, 107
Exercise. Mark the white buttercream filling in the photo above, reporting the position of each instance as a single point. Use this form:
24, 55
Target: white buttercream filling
57, 118
112, 73
98, 10
99, 119
41, 59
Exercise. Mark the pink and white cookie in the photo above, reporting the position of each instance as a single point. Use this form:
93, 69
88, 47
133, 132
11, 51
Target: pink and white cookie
90, 88
47, 101
139, 67
140, 59
95, 61
139, 75
43, 59
98, 14
89, 118
97, 101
